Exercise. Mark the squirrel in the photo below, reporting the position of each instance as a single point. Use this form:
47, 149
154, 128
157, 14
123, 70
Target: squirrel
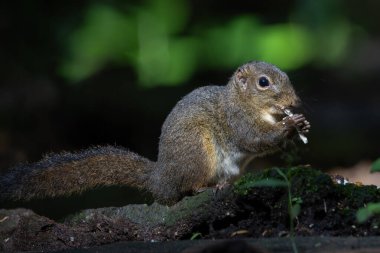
207, 139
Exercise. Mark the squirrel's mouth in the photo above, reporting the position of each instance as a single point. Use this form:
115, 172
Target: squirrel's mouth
279, 112
276, 113
284, 110
273, 114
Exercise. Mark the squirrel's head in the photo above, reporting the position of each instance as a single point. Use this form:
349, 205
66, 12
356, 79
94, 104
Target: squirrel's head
263, 85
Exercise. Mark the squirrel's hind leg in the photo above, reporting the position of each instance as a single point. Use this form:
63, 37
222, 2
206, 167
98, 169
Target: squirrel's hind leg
186, 169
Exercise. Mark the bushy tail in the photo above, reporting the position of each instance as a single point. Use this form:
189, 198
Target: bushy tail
68, 173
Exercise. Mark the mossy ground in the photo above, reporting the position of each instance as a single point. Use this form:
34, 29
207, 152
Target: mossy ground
245, 210
327, 207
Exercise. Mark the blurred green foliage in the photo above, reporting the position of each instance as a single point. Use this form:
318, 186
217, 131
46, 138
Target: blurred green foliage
371, 209
365, 213
376, 166
158, 41
106, 35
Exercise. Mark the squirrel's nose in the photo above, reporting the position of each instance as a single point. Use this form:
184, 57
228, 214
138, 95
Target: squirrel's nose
297, 102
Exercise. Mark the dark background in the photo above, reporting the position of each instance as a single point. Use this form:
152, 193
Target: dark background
75, 74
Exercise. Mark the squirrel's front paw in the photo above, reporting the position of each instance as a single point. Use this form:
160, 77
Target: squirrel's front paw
304, 127
294, 123
293, 120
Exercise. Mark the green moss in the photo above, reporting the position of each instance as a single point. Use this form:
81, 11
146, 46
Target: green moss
77, 218
313, 187
304, 178
358, 196
185, 208
147, 214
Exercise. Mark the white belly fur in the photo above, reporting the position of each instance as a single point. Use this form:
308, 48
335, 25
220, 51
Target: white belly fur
232, 163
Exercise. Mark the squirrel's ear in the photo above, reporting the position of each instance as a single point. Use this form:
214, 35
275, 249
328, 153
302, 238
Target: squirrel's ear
241, 79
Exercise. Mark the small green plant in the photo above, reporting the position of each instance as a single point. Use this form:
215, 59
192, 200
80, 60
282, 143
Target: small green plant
294, 208
371, 209
294, 203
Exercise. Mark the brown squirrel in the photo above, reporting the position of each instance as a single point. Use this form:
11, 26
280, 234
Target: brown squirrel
208, 138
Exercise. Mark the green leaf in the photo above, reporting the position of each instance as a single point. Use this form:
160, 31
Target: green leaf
195, 236
363, 214
283, 175
297, 200
295, 211
268, 182
376, 166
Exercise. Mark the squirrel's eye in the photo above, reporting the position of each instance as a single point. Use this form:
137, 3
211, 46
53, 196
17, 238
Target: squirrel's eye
263, 82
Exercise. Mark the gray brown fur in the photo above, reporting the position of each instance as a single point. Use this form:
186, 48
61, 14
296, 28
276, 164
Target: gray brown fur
207, 139
67, 173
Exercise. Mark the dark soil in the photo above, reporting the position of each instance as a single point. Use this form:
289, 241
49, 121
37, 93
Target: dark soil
327, 208
242, 211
